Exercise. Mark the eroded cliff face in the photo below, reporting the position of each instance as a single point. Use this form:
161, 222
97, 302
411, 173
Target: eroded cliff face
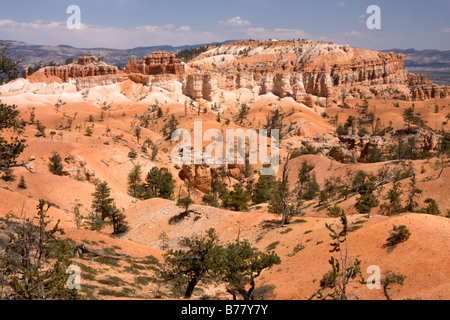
292, 69
385, 68
283, 84
157, 63
85, 67
426, 92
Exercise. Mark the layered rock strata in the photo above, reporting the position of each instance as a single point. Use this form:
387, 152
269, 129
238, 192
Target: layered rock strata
157, 63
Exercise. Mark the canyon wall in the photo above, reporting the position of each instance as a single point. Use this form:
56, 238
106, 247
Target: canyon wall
282, 84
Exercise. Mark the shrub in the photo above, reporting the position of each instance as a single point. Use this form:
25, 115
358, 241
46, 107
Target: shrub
432, 207
273, 245
334, 211
399, 234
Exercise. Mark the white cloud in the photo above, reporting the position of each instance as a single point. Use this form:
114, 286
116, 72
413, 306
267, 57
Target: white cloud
184, 28
341, 4
93, 36
446, 30
236, 22
353, 34
277, 33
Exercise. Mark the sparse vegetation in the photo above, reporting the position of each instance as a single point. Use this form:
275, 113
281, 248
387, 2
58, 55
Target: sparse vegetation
398, 235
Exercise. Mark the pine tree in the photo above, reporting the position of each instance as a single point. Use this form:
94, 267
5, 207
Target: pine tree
304, 176
444, 149
343, 271
193, 264
22, 184
411, 204
34, 261
88, 132
237, 199
312, 189
118, 220
102, 202
55, 166
282, 201
185, 203
391, 279
159, 183
394, 206
263, 189
240, 265
135, 187
367, 199
433, 207
322, 197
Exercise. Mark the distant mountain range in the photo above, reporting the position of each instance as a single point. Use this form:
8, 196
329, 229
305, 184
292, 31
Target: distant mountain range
34, 54
433, 63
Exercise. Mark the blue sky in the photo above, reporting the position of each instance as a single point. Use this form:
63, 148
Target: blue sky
124, 24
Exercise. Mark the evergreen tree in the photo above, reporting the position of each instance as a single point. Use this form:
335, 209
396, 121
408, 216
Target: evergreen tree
304, 176
263, 189
22, 184
210, 200
367, 199
391, 279
334, 211
159, 183
118, 220
192, 265
102, 202
444, 149
243, 112
55, 166
34, 261
322, 197
433, 207
88, 132
411, 204
9, 67
237, 199
312, 189
240, 264
10, 149
394, 206
135, 187
185, 203
343, 271
410, 117
282, 200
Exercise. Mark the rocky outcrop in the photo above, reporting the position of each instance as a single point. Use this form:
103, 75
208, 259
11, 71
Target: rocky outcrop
423, 89
200, 86
283, 84
94, 81
75, 167
425, 92
418, 79
423, 140
353, 148
198, 175
295, 69
157, 63
84, 67
387, 68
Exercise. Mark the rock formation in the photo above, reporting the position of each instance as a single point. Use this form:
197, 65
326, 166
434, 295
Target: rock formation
76, 168
157, 63
295, 69
85, 67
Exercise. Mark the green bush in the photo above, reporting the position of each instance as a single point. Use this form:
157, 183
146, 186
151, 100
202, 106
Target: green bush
398, 235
